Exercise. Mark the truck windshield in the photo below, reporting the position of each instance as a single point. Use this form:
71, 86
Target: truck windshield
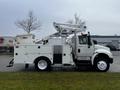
83, 39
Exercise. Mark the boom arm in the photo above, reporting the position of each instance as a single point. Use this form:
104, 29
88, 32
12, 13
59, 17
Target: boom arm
69, 28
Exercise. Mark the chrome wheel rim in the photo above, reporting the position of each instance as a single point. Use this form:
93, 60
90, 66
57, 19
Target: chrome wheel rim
102, 65
42, 64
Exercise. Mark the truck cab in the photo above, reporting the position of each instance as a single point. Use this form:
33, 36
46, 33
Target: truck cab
86, 52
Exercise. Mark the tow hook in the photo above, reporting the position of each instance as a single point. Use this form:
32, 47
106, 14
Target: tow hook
11, 63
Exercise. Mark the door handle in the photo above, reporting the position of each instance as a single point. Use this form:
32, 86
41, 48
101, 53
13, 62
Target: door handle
78, 50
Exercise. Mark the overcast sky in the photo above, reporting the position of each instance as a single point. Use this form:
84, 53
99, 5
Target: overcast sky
102, 16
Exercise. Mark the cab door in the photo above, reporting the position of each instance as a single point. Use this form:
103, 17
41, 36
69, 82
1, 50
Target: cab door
83, 50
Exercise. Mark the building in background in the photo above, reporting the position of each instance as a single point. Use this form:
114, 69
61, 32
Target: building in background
6, 44
113, 42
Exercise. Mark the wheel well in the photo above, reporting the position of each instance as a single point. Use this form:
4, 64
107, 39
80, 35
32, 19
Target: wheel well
42, 57
102, 55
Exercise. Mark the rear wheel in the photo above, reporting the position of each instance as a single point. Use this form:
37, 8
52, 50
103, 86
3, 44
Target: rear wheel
42, 64
101, 65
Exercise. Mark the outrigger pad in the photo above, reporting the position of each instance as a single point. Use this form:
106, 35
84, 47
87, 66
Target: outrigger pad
11, 63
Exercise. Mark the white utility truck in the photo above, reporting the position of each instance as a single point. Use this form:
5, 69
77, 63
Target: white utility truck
69, 46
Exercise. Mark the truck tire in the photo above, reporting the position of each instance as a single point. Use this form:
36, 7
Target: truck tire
42, 64
101, 65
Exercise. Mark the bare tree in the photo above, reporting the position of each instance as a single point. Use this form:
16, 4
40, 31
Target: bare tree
29, 24
77, 20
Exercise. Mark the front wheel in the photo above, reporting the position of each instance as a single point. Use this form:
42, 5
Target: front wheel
101, 65
42, 65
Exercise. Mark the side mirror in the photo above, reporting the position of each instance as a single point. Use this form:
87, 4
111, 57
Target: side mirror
89, 40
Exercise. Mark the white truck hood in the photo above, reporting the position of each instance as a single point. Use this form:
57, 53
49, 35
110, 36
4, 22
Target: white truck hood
101, 47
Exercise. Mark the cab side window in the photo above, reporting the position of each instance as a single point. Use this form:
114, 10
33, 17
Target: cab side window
83, 39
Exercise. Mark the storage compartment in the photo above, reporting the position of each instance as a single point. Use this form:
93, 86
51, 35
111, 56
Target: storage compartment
57, 54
